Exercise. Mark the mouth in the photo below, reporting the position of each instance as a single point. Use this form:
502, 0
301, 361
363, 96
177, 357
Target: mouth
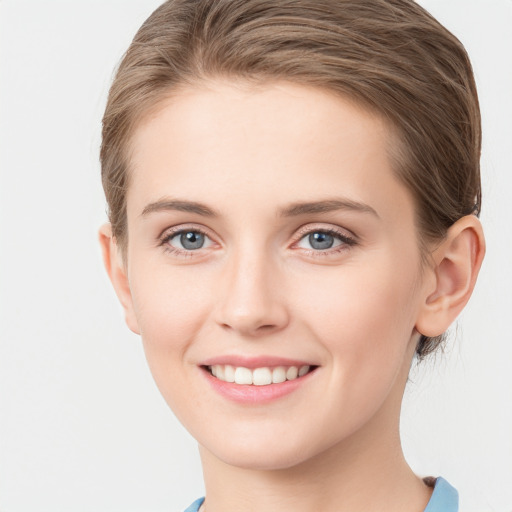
262, 376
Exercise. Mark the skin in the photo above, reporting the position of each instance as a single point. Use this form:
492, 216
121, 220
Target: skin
258, 287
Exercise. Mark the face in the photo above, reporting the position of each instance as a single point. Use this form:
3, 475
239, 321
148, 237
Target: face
269, 242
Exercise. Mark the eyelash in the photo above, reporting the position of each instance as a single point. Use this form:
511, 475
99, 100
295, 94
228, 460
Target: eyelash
347, 241
169, 235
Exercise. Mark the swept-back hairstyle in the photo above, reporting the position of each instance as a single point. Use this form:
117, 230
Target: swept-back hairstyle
391, 56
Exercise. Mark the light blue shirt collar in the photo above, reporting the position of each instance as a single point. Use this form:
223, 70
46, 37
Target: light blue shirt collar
444, 499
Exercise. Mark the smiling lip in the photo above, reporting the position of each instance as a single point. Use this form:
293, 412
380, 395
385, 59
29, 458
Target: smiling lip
254, 393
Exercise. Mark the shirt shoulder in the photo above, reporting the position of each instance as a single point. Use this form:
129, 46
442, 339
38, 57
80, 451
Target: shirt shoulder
444, 498
195, 506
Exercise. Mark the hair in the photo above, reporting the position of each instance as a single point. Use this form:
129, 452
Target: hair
390, 56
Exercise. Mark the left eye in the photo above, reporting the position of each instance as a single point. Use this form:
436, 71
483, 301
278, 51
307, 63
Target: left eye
189, 240
322, 240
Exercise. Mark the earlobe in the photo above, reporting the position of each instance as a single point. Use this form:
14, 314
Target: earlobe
456, 263
115, 267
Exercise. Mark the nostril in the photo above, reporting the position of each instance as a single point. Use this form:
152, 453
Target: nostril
267, 327
258, 328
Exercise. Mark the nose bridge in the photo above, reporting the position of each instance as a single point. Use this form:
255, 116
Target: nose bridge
252, 301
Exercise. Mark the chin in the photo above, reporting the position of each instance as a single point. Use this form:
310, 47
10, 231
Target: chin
260, 456
262, 461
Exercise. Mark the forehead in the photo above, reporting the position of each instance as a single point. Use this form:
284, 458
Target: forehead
279, 141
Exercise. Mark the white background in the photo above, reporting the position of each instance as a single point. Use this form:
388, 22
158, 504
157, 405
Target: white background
82, 426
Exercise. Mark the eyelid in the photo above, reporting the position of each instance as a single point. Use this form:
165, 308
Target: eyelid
324, 228
347, 237
170, 232
179, 228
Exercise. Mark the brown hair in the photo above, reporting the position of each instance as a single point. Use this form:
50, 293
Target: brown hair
389, 55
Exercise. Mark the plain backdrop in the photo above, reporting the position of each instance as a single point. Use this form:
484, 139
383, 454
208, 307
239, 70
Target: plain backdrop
82, 426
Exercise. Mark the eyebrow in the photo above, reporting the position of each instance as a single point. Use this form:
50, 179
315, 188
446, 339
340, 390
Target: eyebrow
180, 206
326, 206
293, 210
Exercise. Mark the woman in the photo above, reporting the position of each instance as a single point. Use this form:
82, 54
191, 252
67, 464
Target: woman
293, 194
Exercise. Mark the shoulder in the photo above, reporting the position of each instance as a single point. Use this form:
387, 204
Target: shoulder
444, 497
195, 506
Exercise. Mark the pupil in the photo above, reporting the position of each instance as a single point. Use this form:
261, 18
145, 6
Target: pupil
192, 240
321, 241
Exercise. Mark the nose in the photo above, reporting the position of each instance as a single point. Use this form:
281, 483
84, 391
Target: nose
252, 299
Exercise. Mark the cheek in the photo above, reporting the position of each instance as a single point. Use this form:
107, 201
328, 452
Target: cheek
171, 306
365, 313
364, 321
168, 301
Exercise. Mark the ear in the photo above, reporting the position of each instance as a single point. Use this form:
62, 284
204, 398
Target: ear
456, 263
116, 270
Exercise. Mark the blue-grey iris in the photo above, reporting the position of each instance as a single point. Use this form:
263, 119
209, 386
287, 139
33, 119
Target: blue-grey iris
321, 241
192, 240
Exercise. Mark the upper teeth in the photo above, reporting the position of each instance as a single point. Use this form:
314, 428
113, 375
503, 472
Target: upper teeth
257, 376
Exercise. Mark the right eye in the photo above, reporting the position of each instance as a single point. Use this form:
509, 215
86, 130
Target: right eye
187, 240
